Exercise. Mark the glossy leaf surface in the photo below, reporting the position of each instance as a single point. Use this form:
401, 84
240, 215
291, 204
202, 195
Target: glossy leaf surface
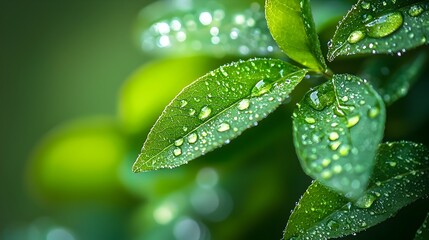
337, 127
374, 26
393, 78
399, 178
215, 109
215, 28
292, 26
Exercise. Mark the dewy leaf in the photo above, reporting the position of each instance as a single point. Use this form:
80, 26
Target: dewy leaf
292, 26
216, 28
423, 232
392, 78
375, 26
399, 178
215, 109
337, 127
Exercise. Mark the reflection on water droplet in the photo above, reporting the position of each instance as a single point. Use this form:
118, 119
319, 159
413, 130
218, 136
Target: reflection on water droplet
355, 36
415, 10
183, 103
335, 145
177, 151
261, 88
192, 138
333, 136
204, 113
373, 112
223, 127
321, 97
243, 104
310, 120
353, 121
366, 201
178, 142
384, 25
344, 150
365, 5
191, 112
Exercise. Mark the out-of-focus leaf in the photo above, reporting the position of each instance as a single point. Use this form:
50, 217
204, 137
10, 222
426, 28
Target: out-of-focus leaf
328, 12
292, 26
215, 109
374, 26
423, 232
215, 28
337, 127
393, 78
139, 101
399, 178
79, 161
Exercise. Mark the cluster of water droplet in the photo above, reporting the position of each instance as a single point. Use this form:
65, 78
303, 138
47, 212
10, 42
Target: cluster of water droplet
327, 125
399, 30
212, 29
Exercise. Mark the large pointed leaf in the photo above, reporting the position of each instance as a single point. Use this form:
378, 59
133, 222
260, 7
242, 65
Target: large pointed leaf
216, 28
375, 26
423, 232
337, 128
392, 78
399, 178
215, 109
292, 26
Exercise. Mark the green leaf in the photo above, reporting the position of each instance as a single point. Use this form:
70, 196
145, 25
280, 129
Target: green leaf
215, 109
423, 232
215, 28
392, 78
374, 26
337, 127
292, 26
399, 178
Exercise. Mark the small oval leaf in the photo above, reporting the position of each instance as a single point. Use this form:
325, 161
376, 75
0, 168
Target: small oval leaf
292, 26
392, 78
216, 28
337, 127
374, 26
215, 109
399, 178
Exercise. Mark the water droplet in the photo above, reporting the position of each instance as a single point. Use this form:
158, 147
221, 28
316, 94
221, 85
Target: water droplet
178, 142
333, 225
185, 129
355, 36
177, 151
333, 136
415, 10
392, 164
310, 120
373, 112
326, 162
365, 5
191, 112
337, 169
320, 98
353, 121
384, 25
326, 174
192, 138
223, 127
366, 201
243, 104
261, 88
335, 145
183, 103
204, 113
344, 150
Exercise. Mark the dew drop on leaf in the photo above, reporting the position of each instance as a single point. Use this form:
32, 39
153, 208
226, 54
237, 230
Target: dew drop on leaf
333, 136
373, 112
366, 201
355, 36
223, 127
310, 120
365, 5
204, 113
243, 104
384, 25
183, 103
192, 138
353, 121
261, 88
415, 10
177, 151
178, 142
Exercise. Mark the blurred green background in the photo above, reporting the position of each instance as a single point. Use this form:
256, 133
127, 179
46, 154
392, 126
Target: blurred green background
78, 96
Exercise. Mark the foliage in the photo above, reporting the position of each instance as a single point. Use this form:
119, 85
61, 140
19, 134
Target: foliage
337, 127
